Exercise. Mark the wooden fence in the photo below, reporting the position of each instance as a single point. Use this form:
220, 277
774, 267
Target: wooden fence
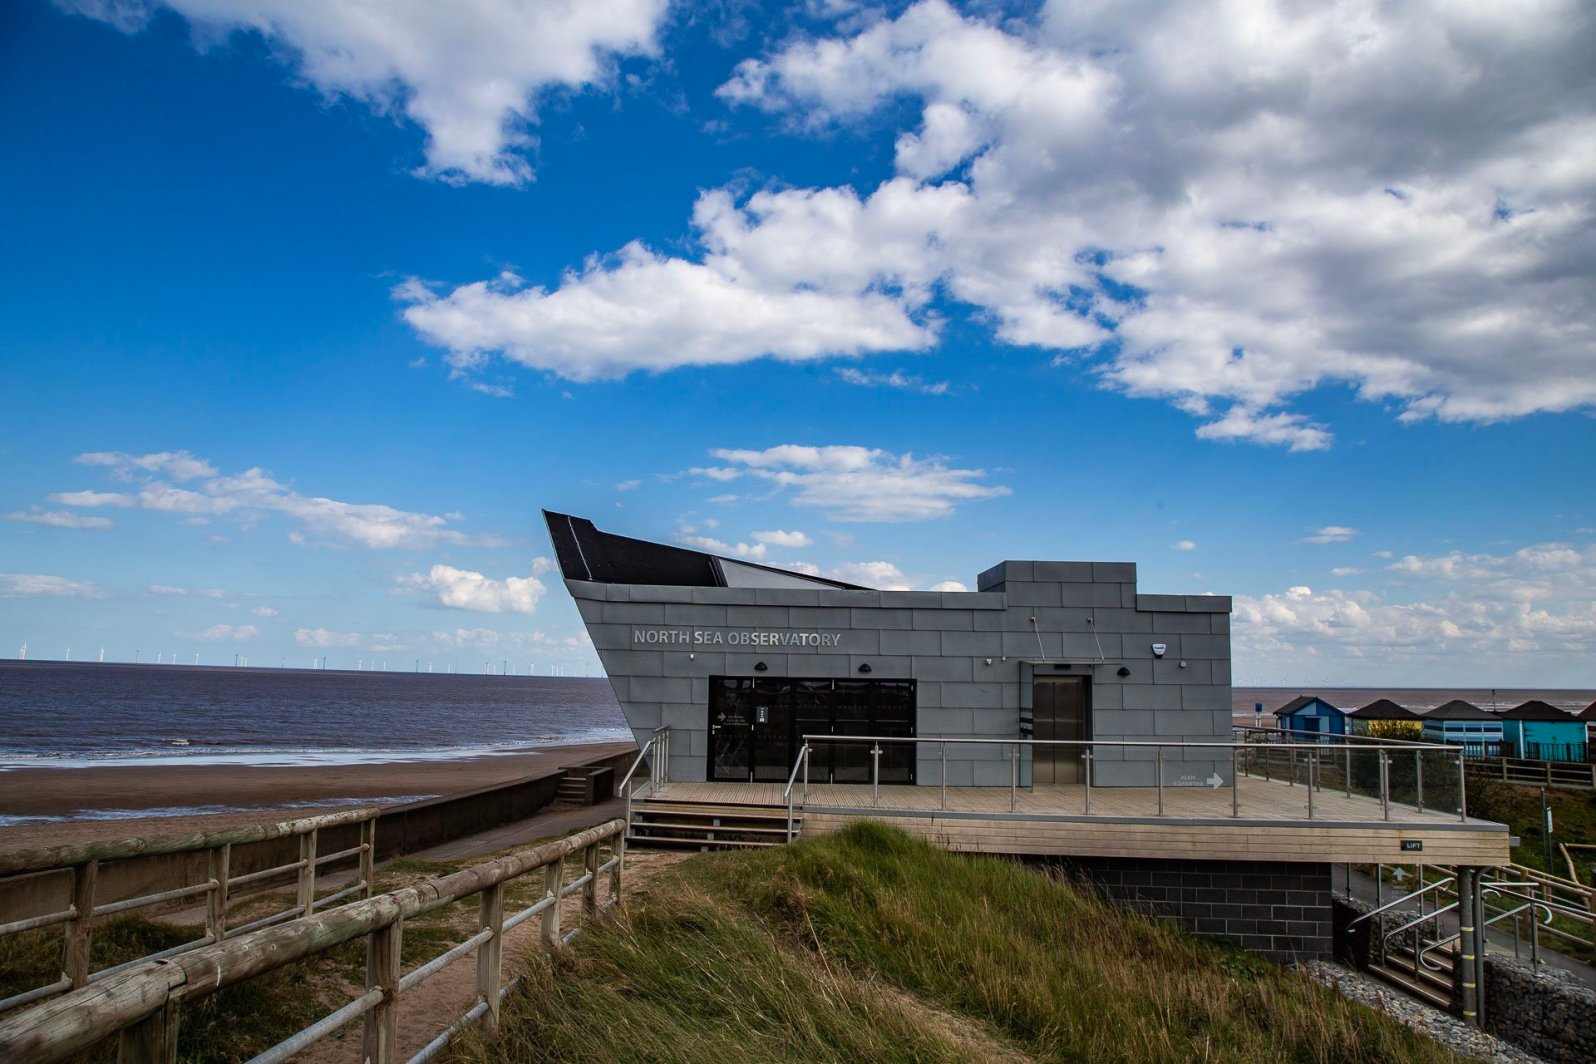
80, 867
141, 1005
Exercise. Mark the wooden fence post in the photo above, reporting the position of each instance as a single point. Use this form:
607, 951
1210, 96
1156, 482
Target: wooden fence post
153, 1040
490, 955
553, 879
590, 864
219, 866
307, 873
368, 857
80, 929
381, 1042
618, 855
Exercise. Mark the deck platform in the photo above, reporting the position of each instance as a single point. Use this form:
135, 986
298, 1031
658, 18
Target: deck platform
1197, 823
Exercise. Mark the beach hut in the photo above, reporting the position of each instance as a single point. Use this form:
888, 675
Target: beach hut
1385, 719
1588, 715
1542, 732
1461, 723
1309, 717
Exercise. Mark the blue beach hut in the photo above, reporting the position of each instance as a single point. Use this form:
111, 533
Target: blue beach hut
1309, 717
1464, 724
1540, 731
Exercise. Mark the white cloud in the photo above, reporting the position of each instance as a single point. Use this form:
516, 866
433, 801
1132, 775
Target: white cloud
778, 538
949, 585
226, 633
750, 551
471, 75
628, 485
248, 496
896, 379
1515, 613
883, 576
263, 611
1183, 544
167, 589
1346, 570
467, 637
36, 585
60, 519
178, 465
322, 637
1384, 198
1331, 534
463, 589
858, 483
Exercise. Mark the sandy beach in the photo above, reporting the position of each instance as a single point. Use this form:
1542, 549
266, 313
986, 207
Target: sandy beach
241, 794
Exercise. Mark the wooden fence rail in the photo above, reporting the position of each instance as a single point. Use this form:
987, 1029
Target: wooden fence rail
83, 863
141, 1005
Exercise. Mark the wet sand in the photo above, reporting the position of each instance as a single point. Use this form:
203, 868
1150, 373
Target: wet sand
127, 800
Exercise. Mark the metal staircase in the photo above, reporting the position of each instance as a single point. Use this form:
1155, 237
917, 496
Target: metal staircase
664, 824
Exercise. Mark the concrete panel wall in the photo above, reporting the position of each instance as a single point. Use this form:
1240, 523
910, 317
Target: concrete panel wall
974, 656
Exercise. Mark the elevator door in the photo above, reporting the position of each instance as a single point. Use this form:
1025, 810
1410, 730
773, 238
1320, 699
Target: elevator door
1059, 712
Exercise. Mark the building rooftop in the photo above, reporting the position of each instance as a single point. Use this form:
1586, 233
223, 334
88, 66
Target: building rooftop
1535, 709
1457, 709
1384, 709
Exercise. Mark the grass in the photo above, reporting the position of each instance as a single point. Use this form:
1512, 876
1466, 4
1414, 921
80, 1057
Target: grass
869, 946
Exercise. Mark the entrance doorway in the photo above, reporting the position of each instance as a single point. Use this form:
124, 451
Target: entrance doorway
757, 725
1059, 711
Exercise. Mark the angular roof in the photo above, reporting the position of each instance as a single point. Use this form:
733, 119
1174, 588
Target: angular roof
1384, 709
1457, 709
585, 553
1302, 702
1535, 709
1588, 713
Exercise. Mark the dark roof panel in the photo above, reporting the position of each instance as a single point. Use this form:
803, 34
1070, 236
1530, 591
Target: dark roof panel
1302, 702
1384, 709
1457, 709
1535, 709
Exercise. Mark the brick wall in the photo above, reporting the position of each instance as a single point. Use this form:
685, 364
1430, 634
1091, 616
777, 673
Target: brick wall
1279, 911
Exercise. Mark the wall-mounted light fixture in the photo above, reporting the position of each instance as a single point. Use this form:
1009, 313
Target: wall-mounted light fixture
1124, 670
760, 666
864, 667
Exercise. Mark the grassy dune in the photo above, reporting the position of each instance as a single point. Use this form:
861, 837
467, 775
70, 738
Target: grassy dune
869, 946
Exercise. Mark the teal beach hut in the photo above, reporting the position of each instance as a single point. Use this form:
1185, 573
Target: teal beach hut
1542, 732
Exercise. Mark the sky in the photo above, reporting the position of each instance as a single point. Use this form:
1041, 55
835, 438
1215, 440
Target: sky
306, 312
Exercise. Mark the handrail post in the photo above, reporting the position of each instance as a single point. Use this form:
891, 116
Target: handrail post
1235, 783
1348, 779
618, 855
1158, 770
553, 879
307, 872
490, 955
875, 773
1014, 778
1086, 778
1313, 760
381, 1040
1291, 753
944, 745
218, 864
1385, 784
1462, 790
1418, 780
80, 929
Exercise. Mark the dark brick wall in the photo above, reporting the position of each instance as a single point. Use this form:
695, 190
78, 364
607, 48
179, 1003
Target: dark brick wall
1280, 911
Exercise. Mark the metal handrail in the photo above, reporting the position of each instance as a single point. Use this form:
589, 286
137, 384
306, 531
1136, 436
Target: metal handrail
658, 768
1393, 904
1350, 738
960, 740
801, 763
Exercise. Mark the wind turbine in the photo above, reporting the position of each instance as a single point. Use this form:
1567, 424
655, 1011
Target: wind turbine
23, 653
69, 654
102, 655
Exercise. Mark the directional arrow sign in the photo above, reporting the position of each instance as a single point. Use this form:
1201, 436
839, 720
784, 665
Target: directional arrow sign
1215, 781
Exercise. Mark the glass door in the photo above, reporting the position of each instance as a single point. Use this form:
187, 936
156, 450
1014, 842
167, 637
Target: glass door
771, 720
731, 713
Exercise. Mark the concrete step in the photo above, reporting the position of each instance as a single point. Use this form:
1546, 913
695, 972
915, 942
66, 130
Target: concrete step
1425, 987
650, 842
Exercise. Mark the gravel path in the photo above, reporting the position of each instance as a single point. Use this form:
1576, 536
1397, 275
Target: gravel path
1442, 1027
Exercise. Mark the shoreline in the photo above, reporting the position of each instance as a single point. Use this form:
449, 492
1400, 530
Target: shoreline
77, 804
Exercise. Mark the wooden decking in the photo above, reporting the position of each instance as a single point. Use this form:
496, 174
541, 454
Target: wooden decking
1273, 824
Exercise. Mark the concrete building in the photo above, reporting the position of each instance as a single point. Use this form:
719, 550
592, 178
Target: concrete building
742, 661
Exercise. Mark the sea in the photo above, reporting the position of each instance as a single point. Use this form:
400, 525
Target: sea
66, 715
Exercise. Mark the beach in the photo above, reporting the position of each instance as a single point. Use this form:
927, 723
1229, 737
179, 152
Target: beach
120, 801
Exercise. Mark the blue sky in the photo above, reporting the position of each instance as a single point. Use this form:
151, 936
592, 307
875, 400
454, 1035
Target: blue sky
307, 311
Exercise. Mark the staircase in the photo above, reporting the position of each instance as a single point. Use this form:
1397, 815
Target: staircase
682, 825
1401, 970
572, 789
